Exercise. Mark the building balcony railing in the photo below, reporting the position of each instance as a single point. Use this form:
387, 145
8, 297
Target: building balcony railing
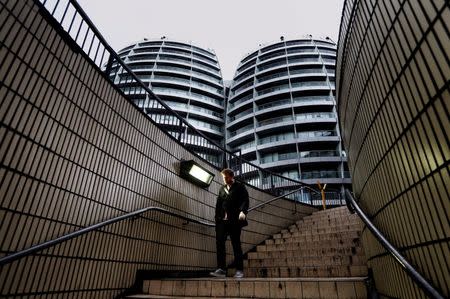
187, 82
174, 68
271, 65
208, 68
292, 60
294, 155
267, 57
153, 104
322, 174
321, 84
241, 100
208, 77
241, 130
241, 114
273, 76
300, 136
274, 104
171, 120
297, 117
169, 50
287, 87
245, 86
273, 89
319, 154
177, 45
186, 94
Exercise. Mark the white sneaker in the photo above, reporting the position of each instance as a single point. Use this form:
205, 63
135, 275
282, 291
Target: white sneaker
239, 274
218, 273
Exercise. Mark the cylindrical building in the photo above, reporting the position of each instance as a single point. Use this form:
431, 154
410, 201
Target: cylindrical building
281, 112
393, 72
188, 79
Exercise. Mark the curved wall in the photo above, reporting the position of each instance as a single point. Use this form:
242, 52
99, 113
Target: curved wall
74, 152
393, 76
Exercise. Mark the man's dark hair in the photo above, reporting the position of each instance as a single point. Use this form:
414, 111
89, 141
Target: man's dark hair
227, 171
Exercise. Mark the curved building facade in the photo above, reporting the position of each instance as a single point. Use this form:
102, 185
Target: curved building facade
393, 72
188, 79
281, 111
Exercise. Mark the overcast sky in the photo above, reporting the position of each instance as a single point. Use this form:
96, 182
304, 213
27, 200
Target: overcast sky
232, 28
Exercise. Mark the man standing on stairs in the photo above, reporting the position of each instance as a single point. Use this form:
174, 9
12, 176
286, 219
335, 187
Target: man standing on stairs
231, 216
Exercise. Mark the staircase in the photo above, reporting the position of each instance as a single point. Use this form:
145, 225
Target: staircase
319, 256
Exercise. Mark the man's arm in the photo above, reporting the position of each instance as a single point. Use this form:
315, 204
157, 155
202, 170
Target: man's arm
244, 200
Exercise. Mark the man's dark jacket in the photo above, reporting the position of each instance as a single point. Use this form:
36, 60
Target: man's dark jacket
232, 202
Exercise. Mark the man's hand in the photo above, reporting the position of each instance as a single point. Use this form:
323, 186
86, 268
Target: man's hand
242, 216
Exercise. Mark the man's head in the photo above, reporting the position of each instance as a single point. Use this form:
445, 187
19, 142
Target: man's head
228, 176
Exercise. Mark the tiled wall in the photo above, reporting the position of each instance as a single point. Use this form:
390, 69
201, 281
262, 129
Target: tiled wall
393, 93
75, 152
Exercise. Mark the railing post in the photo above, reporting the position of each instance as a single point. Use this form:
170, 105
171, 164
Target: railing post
322, 192
272, 186
180, 130
109, 65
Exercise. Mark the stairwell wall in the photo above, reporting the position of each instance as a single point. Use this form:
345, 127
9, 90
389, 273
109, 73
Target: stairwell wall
393, 75
75, 152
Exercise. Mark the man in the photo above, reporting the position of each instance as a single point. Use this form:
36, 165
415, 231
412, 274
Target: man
231, 210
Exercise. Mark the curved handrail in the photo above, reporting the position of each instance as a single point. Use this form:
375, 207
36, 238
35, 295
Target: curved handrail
33, 249
410, 270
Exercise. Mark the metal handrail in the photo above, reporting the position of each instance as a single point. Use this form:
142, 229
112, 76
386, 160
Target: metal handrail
406, 266
281, 196
33, 249
114, 58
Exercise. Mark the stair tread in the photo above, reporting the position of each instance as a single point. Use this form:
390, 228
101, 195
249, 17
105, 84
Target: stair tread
249, 279
173, 296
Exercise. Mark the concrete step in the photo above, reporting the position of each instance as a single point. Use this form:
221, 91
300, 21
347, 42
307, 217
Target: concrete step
325, 224
318, 245
312, 271
307, 261
313, 240
318, 231
306, 252
318, 236
327, 228
255, 288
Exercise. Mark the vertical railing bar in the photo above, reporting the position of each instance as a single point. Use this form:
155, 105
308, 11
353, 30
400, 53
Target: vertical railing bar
103, 54
73, 20
54, 8
85, 37
90, 46
96, 53
65, 12
79, 29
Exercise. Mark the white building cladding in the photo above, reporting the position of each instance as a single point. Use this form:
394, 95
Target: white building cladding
188, 79
281, 111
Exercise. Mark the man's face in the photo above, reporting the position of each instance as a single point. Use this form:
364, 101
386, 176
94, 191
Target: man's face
227, 179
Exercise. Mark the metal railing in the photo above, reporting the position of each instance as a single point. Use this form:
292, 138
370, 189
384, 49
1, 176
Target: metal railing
401, 260
36, 248
75, 22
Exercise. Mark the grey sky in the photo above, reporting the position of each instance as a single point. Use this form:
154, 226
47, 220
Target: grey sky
231, 28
